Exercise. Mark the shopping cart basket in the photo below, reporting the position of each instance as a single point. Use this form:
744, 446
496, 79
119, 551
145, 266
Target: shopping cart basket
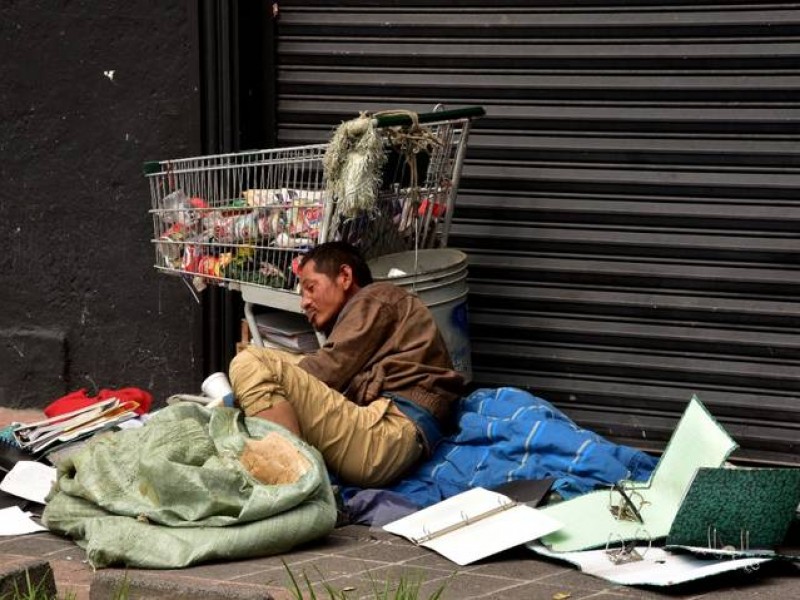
242, 220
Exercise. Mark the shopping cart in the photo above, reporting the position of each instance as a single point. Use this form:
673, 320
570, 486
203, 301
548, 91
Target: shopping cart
243, 220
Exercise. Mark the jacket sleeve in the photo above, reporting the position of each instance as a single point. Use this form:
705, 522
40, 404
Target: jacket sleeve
362, 329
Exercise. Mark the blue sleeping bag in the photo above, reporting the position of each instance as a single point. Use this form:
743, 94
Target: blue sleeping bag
507, 434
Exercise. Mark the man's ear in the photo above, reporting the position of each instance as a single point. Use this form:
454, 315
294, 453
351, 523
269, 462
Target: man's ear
346, 277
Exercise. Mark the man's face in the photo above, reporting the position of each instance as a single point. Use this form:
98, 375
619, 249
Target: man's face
323, 298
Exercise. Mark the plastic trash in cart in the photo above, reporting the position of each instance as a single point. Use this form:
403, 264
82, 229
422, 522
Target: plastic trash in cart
242, 220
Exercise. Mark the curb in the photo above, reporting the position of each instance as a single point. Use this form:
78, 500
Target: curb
108, 583
16, 571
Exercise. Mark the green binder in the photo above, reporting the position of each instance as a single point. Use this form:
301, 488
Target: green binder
737, 511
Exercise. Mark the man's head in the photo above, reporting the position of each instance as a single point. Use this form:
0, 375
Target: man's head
330, 274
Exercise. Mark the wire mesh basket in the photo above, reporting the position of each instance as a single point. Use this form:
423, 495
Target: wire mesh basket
242, 220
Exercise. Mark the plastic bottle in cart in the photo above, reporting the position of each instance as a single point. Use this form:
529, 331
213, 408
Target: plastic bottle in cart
246, 228
178, 208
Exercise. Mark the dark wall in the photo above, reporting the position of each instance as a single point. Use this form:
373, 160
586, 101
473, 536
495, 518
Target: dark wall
88, 91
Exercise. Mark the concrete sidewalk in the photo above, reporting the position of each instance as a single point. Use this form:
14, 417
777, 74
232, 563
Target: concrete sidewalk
355, 559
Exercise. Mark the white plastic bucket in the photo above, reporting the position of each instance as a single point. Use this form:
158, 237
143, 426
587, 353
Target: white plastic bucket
439, 278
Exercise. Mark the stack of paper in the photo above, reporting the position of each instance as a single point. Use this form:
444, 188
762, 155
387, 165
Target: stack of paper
288, 331
48, 434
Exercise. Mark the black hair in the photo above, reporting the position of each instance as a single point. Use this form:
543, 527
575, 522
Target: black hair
330, 256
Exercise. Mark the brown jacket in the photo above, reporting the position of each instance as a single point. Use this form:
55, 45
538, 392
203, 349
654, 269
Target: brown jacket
385, 340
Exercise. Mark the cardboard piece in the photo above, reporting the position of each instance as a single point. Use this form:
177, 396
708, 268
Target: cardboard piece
592, 519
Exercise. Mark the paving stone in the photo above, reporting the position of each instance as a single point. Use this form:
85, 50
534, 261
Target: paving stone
364, 582
156, 585
467, 585
518, 591
73, 578
363, 533
331, 544
25, 575
519, 566
39, 544
263, 568
436, 561
777, 579
323, 568
574, 579
382, 550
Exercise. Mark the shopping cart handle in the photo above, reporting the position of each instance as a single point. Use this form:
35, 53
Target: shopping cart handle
469, 112
151, 166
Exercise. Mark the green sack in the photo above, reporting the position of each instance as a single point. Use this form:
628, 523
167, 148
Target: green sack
192, 485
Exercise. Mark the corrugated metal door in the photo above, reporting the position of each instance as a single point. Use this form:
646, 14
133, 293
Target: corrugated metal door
630, 205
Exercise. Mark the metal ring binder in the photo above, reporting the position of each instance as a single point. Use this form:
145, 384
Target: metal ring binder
465, 520
627, 551
626, 509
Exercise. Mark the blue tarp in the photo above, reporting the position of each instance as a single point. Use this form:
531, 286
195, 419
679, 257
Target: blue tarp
507, 434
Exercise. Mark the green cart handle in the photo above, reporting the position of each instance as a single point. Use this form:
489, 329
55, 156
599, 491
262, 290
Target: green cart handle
469, 112
151, 166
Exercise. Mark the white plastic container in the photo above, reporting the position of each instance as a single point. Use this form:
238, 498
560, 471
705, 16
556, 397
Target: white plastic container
439, 278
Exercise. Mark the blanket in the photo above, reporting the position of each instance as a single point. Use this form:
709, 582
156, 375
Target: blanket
507, 434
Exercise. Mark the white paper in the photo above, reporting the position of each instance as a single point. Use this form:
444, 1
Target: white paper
466, 532
512, 527
657, 567
30, 480
15, 522
446, 513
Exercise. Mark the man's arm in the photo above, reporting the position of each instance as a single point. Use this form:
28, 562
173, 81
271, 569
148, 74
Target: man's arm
361, 330
283, 414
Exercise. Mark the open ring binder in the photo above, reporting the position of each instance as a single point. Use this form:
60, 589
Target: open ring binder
473, 525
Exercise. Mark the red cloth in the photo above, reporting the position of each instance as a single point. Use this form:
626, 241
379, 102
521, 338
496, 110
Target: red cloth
79, 399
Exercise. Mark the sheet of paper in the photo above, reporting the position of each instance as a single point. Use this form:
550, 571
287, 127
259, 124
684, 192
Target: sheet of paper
512, 527
698, 441
30, 480
13, 521
657, 567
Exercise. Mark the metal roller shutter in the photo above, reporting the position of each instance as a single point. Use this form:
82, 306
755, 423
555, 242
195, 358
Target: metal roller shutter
630, 204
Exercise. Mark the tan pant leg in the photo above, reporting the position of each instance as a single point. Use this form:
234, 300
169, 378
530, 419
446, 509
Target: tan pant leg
367, 446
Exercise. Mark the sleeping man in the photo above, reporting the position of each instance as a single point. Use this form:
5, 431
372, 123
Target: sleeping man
380, 393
